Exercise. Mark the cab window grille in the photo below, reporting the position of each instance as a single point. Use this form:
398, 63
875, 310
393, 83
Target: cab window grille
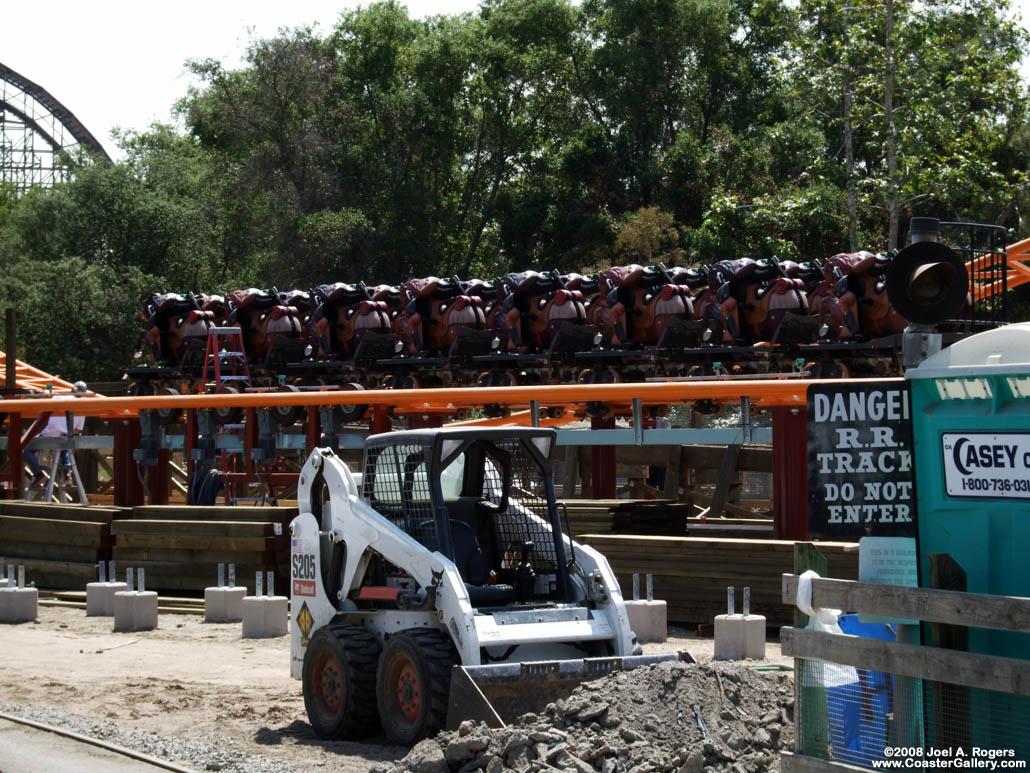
396, 484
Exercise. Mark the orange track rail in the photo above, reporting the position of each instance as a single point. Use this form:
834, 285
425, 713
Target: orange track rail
30, 379
1018, 273
763, 393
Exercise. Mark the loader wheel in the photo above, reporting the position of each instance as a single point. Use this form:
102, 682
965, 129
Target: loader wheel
413, 682
339, 682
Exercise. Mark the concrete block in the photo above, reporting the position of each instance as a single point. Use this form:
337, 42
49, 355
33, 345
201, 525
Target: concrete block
729, 637
224, 605
754, 636
3, 582
100, 597
265, 616
135, 610
19, 605
649, 620
739, 636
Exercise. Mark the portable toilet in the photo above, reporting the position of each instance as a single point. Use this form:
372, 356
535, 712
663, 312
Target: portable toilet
971, 427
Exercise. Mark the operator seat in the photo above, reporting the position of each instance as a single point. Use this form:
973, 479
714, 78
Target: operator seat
471, 563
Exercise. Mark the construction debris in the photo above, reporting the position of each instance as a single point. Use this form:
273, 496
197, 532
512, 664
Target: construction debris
668, 718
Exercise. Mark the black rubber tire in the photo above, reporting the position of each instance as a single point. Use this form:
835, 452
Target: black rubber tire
349, 413
339, 682
287, 415
413, 682
227, 415
165, 416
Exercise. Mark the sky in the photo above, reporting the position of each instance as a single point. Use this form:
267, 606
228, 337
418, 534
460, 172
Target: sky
120, 63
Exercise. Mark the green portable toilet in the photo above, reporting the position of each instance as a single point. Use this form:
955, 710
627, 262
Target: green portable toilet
971, 428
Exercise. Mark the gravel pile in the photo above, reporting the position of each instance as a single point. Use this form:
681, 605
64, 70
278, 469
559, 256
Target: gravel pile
211, 752
640, 721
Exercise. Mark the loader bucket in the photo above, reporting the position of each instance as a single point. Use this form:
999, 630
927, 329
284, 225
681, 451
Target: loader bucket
499, 693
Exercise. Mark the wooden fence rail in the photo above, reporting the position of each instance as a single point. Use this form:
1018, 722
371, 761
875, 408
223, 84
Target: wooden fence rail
951, 667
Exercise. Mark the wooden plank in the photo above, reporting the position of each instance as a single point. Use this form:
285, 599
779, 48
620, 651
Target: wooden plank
750, 459
69, 573
122, 553
13, 524
984, 672
672, 473
976, 610
191, 542
800, 763
91, 553
732, 509
62, 512
214, 513
722, 486
193, 528
571, 472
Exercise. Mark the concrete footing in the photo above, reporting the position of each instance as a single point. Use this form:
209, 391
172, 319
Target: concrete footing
265, 616
100, 597
135, 610
738, 637
649, 620
19, 605
224, 605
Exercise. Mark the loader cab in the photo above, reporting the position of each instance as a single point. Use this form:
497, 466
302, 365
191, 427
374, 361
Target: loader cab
484, 498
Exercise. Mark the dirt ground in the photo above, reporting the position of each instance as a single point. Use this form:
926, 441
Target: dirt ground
188, 679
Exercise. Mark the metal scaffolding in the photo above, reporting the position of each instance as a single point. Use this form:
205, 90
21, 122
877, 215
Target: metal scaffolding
39, 137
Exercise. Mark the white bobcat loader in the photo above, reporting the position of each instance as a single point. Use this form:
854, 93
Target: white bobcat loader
443, 588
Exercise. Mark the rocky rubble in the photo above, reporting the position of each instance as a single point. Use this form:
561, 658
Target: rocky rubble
640, 721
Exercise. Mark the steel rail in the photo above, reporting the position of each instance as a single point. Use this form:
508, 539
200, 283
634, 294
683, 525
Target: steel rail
764, 393
85, 739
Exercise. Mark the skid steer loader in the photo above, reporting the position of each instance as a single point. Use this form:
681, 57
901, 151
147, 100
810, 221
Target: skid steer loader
440, 587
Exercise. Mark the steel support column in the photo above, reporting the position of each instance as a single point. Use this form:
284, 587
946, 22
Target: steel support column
159, 478
602, 463
313, 428
426, 420
128, 490
790, 474
380, 420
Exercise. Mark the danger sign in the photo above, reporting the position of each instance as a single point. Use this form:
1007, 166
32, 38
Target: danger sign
860, 476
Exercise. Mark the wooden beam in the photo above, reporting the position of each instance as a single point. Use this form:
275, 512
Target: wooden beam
976, 610
671, 489
985, 672
568, 490
722, 488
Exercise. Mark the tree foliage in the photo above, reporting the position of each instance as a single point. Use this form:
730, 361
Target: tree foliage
533, 134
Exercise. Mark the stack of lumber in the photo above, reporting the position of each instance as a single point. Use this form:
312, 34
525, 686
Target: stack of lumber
653, 517
590, 516
745, 528
181, 550
691, 573
165, 604
58, 544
